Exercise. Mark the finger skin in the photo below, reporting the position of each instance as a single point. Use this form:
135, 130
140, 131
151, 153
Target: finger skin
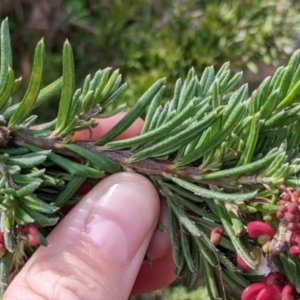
75, 266
160, 274
104, 125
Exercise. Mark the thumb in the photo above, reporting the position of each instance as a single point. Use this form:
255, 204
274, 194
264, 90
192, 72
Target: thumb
97, 249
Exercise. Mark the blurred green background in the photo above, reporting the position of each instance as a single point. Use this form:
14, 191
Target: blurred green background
150, 39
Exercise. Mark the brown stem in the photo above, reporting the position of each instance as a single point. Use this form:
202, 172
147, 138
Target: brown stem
146, 166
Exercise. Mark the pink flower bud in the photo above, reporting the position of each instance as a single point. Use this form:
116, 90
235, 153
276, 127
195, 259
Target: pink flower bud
282, 202
251, 291
279, 215
291, 217
216, 235
274, 278
270, 292
260, 229
293, 208
289, 292
292, 226
33, 237
1, 237
294, 251
286, 197
295, 238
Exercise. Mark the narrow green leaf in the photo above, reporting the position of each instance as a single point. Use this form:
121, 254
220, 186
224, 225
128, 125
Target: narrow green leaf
39, 218
187, 93
28, 189
174, 238
102, 94
177, 91
70, 188
216, 140
207, 79
22, 217
34, 203
269, 105
45, 94
183, 218
289, 74
99, 161
290, 97
29, 160
160, 131
213, 194
232, 82
6, 54
210, 281
6, 92
247, 154
133, 114
70, 166
99, 84
114, 96
241, 250
185, 245
175, 141
241, 170
33, 89
68, 88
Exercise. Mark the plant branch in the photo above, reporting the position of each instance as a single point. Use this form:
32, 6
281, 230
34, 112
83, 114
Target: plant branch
149, 167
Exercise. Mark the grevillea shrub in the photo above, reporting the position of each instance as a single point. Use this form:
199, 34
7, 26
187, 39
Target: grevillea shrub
226, 161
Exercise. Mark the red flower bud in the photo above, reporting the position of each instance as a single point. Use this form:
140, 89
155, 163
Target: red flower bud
1, 237
294, 251
291, 217
216, 235
274, 278
279, 215
286, 197
251, 291
289, 292
295, 238
292, 226
260, 229
270, 292
293, 208
33, 237
282, 202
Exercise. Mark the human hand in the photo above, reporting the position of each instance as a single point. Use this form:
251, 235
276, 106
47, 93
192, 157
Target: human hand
97, 250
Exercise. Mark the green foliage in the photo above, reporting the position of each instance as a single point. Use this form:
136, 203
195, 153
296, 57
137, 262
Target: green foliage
152, 39
213, 150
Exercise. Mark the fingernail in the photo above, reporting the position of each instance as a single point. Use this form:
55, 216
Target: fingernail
120, 220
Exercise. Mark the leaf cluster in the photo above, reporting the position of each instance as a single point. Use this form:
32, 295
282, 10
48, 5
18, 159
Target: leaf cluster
213, 151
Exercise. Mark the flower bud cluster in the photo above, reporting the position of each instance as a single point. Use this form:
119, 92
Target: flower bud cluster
289, 208
273, 286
